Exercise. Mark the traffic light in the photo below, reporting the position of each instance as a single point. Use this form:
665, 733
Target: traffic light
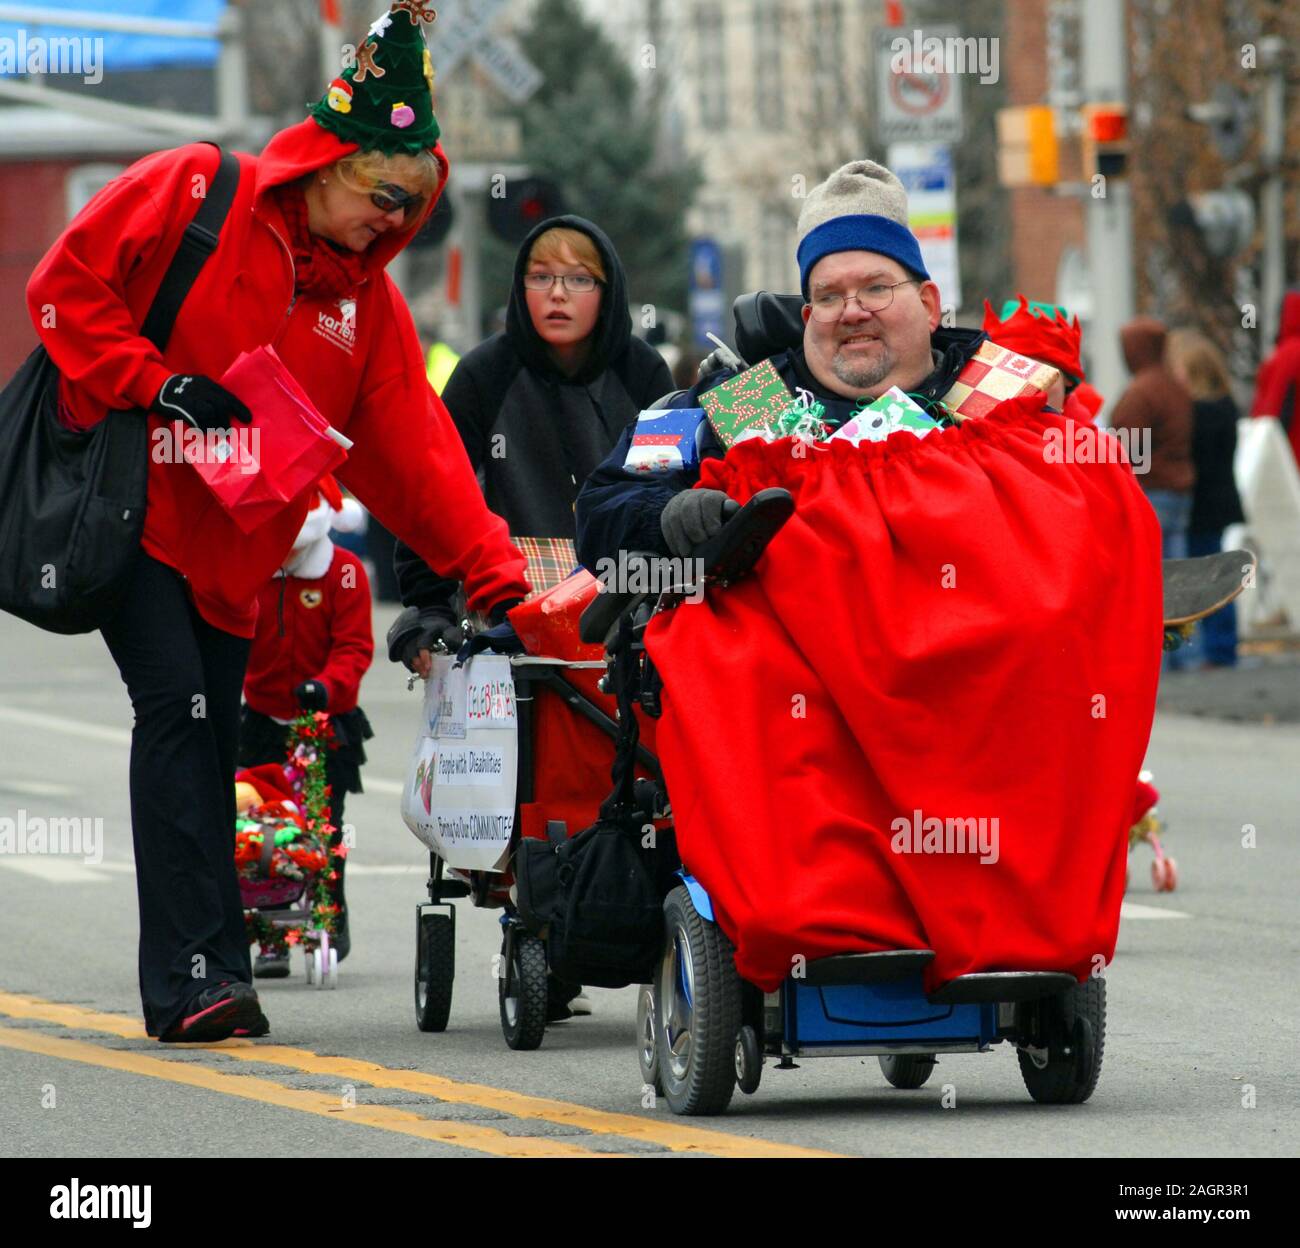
522, 204
1028, 154
433, 233
1224, 221
1105, 141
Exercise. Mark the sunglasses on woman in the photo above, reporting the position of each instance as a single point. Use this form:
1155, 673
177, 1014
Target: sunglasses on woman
389, 198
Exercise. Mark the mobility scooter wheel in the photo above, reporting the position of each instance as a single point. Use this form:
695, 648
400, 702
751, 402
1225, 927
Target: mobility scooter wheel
435, 970
647, 1050
749, 1061
699, 1014
1061, 1043
906, 1070
521, 990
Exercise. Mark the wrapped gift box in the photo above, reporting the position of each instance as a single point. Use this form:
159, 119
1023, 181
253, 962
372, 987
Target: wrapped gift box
752, 400
664, 440
994, 374
548, 624
892, 413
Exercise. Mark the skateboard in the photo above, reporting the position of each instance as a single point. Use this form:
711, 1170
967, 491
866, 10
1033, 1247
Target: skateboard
1195, 588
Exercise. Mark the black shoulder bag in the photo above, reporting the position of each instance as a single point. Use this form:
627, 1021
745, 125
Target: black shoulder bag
598, 896
72, 504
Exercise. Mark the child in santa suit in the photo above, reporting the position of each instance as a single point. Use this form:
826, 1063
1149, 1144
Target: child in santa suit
313, 645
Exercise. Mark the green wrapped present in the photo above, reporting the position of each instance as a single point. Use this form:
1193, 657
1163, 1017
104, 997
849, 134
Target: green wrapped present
749, 404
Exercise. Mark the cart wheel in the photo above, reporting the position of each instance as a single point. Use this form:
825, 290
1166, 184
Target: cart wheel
749, 1061
1164, 875
1067, 1045
647, 1052
907, 1070
323, 952
699, 1015
435, 970
521, 991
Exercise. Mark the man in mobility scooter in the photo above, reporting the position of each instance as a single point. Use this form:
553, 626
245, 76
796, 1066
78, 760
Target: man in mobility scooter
901, 755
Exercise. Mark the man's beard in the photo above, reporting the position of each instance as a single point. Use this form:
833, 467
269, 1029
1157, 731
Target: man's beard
864, 375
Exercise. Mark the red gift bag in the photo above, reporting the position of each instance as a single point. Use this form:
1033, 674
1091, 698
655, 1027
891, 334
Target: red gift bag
287, 447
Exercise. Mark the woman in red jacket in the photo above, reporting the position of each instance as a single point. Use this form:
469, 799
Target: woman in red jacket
300, 265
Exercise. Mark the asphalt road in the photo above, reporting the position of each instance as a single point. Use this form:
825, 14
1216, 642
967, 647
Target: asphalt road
1199, 1053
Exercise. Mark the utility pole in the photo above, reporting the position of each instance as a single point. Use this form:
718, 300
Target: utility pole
1272, 60
1108, 208
331, 39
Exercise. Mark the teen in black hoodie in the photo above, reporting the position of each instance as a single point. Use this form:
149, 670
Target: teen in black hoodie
536, 418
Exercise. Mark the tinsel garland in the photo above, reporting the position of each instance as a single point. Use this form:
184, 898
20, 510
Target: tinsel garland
310, 736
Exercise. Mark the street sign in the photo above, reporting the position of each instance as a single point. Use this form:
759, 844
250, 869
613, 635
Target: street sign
925, 170
503, 60
459, 28
462, 31
707, 299
915, 103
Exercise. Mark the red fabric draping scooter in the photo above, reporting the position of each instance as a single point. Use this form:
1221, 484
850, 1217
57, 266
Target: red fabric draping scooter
957, 628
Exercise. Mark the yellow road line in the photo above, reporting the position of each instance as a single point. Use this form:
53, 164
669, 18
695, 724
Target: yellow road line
249, 1088
667, 1133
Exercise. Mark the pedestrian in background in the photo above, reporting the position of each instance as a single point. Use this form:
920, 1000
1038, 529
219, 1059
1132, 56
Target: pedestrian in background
1278, 381
1199, 367
1155, 405
538, 406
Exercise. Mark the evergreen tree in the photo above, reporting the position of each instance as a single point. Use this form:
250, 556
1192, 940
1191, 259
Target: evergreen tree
588, 130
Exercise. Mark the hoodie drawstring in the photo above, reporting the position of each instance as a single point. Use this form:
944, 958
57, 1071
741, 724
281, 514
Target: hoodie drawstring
279, 609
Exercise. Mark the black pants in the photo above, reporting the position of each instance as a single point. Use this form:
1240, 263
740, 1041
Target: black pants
185, 678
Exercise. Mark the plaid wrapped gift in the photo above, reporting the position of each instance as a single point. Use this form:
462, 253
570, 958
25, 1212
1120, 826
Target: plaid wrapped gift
751, 400
993, 374
550, 560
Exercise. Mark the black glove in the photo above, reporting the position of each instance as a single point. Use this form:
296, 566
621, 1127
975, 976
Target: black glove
312, 695
501, 639
438, 630
200, 401
692, 517
497, 615
415, 630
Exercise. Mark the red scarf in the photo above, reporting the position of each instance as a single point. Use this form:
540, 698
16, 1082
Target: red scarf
320, 268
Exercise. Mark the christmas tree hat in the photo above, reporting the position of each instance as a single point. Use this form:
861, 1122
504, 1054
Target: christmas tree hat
384, 102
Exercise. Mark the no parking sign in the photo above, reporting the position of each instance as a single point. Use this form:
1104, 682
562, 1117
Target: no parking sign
916, 101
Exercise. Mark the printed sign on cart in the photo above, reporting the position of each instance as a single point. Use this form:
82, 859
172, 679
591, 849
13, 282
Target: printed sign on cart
444, 699
460, 792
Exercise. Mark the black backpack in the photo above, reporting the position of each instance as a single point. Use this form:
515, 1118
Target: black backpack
598, 897
72, 504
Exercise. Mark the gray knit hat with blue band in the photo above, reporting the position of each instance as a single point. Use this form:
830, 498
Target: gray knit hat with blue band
860, 207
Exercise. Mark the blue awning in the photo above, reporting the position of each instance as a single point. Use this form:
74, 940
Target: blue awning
28, 46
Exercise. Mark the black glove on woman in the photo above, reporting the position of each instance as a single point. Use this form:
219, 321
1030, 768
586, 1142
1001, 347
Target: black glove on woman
200, 401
